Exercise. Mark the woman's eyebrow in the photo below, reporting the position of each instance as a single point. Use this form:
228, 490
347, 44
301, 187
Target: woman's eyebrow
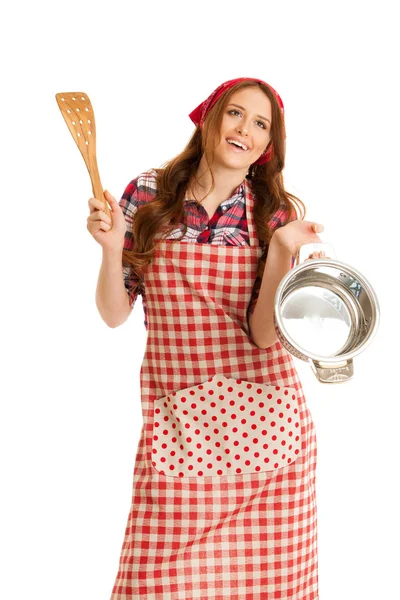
242, 108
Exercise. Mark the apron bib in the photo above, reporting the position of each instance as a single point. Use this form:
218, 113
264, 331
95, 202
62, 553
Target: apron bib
223, 503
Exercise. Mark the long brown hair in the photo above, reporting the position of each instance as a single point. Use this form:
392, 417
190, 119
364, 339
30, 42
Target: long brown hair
165, 212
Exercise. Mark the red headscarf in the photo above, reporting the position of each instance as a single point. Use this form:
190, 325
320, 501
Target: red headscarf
199, 114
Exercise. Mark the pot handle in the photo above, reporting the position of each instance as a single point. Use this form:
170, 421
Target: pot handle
307, 249
337, 373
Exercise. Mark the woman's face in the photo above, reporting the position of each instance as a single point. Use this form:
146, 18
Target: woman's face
246, 120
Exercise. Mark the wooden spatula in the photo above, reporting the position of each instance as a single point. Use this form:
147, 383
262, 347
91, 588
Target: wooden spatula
77, 111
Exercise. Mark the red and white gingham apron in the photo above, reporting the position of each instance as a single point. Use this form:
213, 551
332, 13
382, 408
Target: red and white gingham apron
223, 504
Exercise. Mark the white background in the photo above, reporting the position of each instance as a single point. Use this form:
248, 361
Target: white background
70, 412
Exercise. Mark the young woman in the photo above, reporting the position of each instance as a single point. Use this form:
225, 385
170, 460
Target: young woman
223, 503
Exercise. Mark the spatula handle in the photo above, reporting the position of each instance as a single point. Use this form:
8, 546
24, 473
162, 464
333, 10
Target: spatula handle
96, 183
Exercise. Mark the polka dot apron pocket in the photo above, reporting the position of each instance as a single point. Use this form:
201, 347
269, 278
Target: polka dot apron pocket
225, 426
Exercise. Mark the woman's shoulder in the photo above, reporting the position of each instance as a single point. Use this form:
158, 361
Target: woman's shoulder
282, 216
140, 190
147, 178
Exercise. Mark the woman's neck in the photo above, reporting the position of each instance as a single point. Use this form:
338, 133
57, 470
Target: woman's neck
226, 180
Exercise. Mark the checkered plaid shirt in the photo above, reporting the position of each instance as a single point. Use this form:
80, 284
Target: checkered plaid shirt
227, 226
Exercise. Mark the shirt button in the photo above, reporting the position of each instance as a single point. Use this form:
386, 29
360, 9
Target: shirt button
224, 208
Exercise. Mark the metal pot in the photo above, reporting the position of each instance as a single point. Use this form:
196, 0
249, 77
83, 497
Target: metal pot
325, 313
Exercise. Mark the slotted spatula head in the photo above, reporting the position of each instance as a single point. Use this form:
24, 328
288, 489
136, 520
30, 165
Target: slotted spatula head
78, 114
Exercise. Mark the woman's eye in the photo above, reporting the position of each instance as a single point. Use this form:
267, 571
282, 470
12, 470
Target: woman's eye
233, 111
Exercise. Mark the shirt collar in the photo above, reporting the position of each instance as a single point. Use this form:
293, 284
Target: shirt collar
239, 191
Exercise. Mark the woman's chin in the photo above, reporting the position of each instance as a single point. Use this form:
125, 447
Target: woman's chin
235, 162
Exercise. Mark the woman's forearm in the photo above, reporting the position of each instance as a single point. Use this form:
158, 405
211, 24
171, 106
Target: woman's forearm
111, 296
261, 321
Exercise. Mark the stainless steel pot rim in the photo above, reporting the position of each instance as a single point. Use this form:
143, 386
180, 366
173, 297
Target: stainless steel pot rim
349, 270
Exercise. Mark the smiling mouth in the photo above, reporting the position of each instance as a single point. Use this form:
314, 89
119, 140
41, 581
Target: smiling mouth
240, 147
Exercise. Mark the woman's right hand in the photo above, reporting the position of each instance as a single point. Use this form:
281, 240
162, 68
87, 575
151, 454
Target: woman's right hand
109, 233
